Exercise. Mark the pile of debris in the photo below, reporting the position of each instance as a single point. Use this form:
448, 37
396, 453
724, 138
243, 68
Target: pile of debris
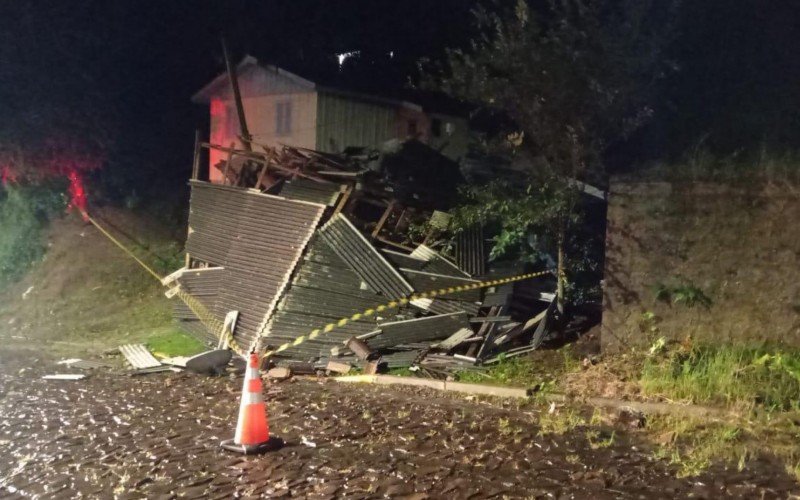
299, 239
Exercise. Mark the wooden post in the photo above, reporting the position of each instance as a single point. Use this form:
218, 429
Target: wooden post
228, 164
196, 163
237, 97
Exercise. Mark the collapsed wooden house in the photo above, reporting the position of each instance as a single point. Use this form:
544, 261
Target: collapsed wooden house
330, 235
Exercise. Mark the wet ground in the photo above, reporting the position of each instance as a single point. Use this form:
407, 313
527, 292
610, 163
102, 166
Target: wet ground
157, 436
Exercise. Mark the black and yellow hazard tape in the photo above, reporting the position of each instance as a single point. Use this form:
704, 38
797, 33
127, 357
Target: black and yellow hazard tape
316, 333
218, 328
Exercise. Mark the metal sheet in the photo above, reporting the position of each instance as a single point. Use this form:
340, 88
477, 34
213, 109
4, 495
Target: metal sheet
418, 330
138, 356
258, 239
308, 190
471, 251
323, 290
436, 263
444, 306
373, 268
202, 284
404, 260
426, 282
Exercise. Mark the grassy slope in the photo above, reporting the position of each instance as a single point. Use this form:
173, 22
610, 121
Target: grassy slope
87, 296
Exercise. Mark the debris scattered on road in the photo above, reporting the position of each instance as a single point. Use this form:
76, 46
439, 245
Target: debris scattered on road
65, 376
82, 364
279, 373
138, 356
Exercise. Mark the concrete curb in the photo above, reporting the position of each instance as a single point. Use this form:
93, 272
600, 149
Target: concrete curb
516, 392
439, 385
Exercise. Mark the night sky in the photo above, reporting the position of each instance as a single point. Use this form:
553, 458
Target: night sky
119, 74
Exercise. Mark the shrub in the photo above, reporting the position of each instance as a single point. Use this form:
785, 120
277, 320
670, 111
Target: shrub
24, 212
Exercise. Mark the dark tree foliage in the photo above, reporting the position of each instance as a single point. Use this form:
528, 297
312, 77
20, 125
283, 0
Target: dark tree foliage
564, 81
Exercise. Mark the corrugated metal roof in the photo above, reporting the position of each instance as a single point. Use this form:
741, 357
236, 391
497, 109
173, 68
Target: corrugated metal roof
353, 248
471, 251
401, 359
308, 190
324, 289
404, 260
418, 330
258, 238
436, 263
202, 284
444, 306
425, 282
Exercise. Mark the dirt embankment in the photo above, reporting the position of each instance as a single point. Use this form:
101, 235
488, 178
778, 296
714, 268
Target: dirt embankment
707, 261
86, 295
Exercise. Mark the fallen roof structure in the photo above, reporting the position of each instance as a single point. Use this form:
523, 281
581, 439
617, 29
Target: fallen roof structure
300, 239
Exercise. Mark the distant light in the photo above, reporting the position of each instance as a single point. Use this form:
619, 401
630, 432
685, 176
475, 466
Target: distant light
345, 55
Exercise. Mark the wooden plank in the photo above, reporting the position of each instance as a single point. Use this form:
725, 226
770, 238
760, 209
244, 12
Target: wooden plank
337, 367
196, 162
343, 200
383, 219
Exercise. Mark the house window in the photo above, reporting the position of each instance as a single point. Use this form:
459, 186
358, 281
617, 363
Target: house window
436, 127
283, 118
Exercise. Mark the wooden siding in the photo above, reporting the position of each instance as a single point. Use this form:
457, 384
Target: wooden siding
345, 121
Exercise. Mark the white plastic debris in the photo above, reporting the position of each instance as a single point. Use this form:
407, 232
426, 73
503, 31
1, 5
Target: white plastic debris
65, 376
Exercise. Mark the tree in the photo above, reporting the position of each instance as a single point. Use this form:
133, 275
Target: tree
559, 85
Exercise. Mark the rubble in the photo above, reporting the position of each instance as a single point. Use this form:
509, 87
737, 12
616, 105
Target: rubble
300, 239
279, 373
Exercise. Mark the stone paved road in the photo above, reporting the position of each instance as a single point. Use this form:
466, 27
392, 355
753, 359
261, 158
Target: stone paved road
157, 436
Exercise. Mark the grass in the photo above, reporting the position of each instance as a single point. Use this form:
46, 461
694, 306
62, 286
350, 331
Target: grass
172, 343
735, 376
693, 445
762, 383
560, 420
522, 371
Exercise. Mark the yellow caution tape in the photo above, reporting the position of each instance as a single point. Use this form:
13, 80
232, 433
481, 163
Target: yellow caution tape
397, 303
218, 328
199, 310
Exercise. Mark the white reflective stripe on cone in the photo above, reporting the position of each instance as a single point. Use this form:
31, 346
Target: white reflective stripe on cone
252, 373
251, 398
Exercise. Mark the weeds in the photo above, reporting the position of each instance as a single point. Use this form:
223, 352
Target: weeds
521, 372
599, 439
559, 421
736, 376
692, 446
24, 212
686, 294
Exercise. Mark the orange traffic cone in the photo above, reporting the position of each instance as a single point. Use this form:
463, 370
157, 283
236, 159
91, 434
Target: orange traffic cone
252, 429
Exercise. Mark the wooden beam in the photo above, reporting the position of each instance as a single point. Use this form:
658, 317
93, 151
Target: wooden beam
343, 200
237, 97
383, 219
196, 162
231, 151
261, 158
392, 243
